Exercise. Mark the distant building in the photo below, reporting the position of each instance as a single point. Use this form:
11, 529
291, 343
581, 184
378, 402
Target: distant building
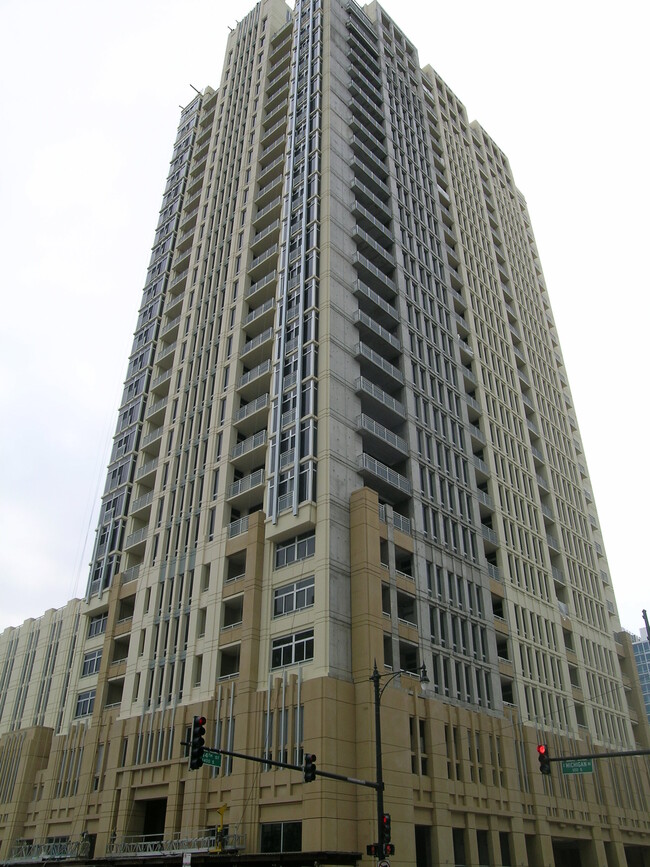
641, 647
346, 436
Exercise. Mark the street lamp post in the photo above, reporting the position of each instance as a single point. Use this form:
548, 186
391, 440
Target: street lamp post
379, 691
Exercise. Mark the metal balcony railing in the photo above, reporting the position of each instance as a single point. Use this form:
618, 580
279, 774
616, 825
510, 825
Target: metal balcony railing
151, 844
46, 851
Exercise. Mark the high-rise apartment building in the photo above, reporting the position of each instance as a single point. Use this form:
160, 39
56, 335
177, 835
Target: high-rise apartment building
641, 648
346, 436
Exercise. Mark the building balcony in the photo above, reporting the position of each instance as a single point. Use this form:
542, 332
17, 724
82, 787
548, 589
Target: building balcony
147, 472
260, 318
466, 350
262, 289
381, 311
154, 436
265, 233
278, 90
264, 263
258, 348
361, 57
141, 505
249, 452
373, 250
165, 355
379, 369
252, 416
269, 191
156, 412
369, 273
385, 408
481, 468
170, 329
486, 503
473, 408
367, 100
247, 491
136, 540
131, 574
369, 327
252, 383
372, 158
490, 538
266, 215
236, 528
366, 198
160, 385
379, 230
477, 434
275, 110
364, 125
276, 130
387, 445
558, 576
369, 84
372, 180
391, 485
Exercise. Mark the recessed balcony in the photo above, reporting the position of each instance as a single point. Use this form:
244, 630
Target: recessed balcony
252, 416
156, 412
381, 370
384, 443
141, 506
249, 452
248, 490
260, 318
147, 473
258, 348
391, 485
385, 408
381, 311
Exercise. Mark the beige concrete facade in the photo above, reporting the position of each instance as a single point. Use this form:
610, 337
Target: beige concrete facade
346, 437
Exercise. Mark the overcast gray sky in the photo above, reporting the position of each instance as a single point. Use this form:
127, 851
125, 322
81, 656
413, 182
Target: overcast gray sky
90, 96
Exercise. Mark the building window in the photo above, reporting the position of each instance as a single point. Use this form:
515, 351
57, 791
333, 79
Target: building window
85, 703
293, 597
91, 663
292, 648
281, 837
297, 548
97, 624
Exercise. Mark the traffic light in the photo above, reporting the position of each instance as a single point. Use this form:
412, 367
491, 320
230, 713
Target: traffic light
310, 767
196, 743
390, 849
385, 830
372, 849
544, 759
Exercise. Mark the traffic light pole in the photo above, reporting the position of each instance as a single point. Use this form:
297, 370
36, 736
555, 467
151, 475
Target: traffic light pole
608, 755
328, 774
378, 758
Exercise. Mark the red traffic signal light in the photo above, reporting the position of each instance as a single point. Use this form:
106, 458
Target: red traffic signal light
385, 829
544, 759
196, 743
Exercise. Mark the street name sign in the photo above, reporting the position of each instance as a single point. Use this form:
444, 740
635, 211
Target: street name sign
213, 759
577, 766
